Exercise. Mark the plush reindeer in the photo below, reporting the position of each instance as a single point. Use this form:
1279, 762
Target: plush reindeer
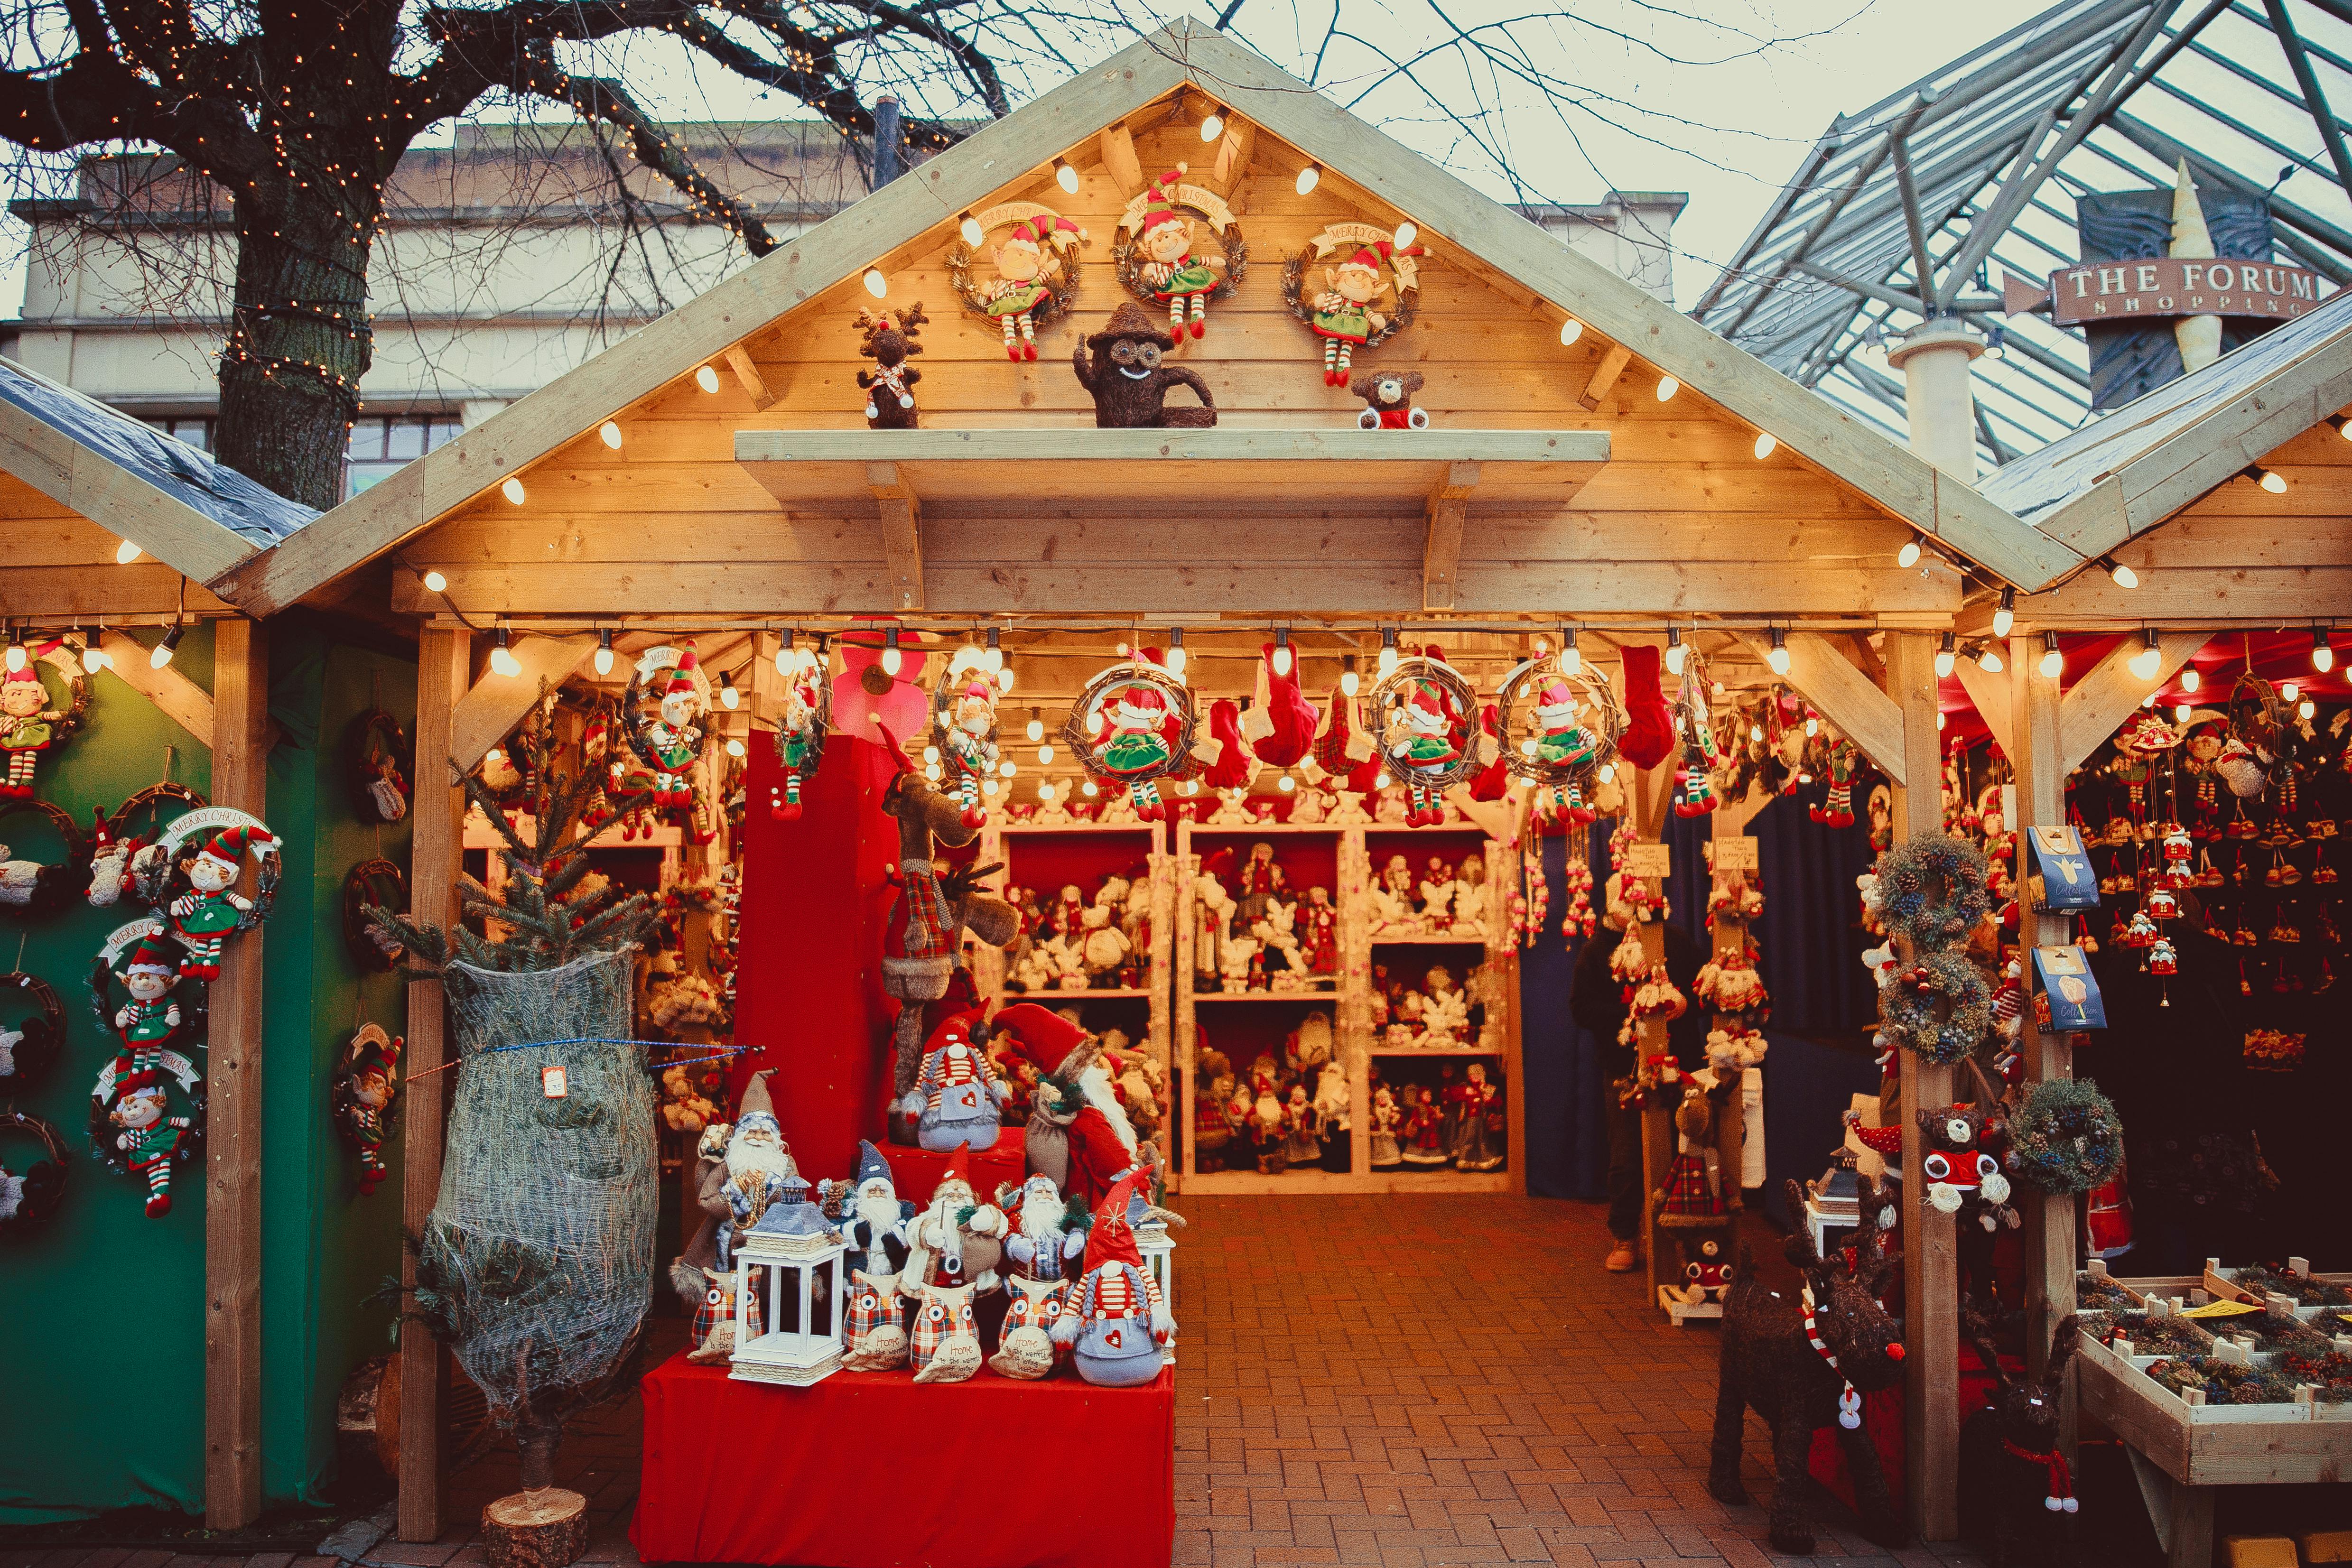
926, 931
890, 384
2017, 1496
1803, 1364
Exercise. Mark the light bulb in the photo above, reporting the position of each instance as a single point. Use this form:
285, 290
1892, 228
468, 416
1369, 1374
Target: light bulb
1778, 657
1045, 788
1944, 657
729, 697
1089, 787
993, 651
1667, 387
2306, 708
512, 490
125, 553
435, 583
2122, 575
1607, 772
1350, 681
502, 657
1191, 786
932, 772
2006, 616
1095, 722
1065, 176
1812, 726
1569, 331
2343, 426
2323, 657
2150, 657
876, 284
1309, 178
988, 786
706, 377
930, 754
1908, 556
1989, 660
1754, 732
1766, 443
2189, 679
1177, 661
2181, 712
2289, 691
969, 228
891, 662
1571, 662
1036, 727
1388, 653
1004, 679
17, 656
2274, 481
1528, 747
1282, 652
167, 647
1008, 768
610, 434
2054, 663
95, 658
604, 651
1285, 783
1675, 653
1406, 232
1380, 780
734, 746
1045, 756
1212, 126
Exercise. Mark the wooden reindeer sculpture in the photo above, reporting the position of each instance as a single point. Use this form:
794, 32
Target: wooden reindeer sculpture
926, 930
890, 384
1804, 1365
2017, 1496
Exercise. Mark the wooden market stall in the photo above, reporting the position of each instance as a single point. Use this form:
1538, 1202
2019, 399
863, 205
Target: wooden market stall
1593, 458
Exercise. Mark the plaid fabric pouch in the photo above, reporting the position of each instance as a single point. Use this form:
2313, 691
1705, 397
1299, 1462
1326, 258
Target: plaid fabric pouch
876, 1326
946, 1347
1026, 1346
718, 1306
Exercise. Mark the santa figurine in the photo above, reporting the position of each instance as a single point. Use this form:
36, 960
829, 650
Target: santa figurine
1118, 1323
674, 737
1169, 269
1318, 936
874, 1218
1424, 1130
151, 1139
147, 1022
1048, 1235
962, 1097
756, 1172
1386, 1155
954, 1240
27, 729
1019, 290
203, 917
1078, 1132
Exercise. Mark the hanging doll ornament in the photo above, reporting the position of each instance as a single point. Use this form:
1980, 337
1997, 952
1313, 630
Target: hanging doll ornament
889, 386
135, 1128
1696, 731
1426, 716
366, 1085
803, 721
661, 713
197, 895
125, 853
30, 1191
32, 1032
964, 729
40, 887
29, 722
1133, 725
1568, 732
1836, 809
1361, 302
1157, 256
1035, 272
377, 761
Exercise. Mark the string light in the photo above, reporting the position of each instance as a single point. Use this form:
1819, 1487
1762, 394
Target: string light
2306, 708
1572, 660
1090, 788
2323, 657
1282, 660
1045, 788
1778, 657
1285, 783
1607, 772
2343, 426
2150, 659
2054, 663
786, 655
1214, 125
604, 651
968, 226
1667, 387
502, 657
1675, 653
1066, 177
1946, 657
512, 490
2182, 712
993, 650
1766, 444
1008, 768
1309, 178
125, 553
1350, 681
610, 434
2117, 572
1036, 726
167, 647
891, 661
2005, 617
1004, 680
734, 746
2190, 678
1939, 719
1176, 657
1406, 232
1913, 549
1381, 779
1388, 651
94, 657
1046, 756
1812, 726
2289, 690
2270, 479
706, 377
1989, 659
876, 284
931, 755
435, 583
17, 657
988, 786
729, 697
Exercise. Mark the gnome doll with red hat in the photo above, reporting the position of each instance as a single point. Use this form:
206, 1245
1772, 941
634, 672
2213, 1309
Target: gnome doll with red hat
1117, 1323
963, 1098
203, 917
1169, 269
1078, 1132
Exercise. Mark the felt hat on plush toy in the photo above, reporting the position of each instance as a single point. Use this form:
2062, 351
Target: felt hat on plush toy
871, 1167
1129, 320
756, 1101
1158, 205
1112, 1239
228, 846
148, 958
964, 1028
1048, 1041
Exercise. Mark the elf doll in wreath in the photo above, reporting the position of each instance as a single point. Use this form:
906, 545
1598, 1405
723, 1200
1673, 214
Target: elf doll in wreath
1424, 739
800, 733
1169, 269
29, 727
149, 1140
1345, 311
1135, 740
673, 737
363, 1097
204, 916
967, 737
1020, 289
1562, 742
150, 1019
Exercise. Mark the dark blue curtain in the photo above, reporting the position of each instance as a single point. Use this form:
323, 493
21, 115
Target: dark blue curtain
1566, 1083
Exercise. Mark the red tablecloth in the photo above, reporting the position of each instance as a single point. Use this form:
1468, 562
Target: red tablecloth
915, 1172
1882, 1421
865, 1469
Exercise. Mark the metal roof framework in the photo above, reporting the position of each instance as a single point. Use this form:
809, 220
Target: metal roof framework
1973, 171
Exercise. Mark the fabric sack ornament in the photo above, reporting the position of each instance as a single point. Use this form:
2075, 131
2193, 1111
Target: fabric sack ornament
1280, 726
946, 1344
1649, 736
875, 1332
1026, 1348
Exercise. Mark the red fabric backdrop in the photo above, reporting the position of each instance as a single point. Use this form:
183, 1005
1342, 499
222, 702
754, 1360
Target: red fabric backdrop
808, 990
865, 1469
1882, 1422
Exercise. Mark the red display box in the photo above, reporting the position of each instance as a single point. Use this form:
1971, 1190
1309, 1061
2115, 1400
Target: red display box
867, 1469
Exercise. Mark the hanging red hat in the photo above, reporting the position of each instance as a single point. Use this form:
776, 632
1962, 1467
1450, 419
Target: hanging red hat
956, 1029
1160, 204
681, 679
1494, 781
1649, 726
1046, 1039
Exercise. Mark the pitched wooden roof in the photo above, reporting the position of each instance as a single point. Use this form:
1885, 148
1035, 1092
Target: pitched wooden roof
910, 216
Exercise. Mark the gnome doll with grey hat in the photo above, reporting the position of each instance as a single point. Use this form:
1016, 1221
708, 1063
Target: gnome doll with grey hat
873, 1217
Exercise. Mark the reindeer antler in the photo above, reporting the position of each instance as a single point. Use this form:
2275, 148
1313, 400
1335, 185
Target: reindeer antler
911, 323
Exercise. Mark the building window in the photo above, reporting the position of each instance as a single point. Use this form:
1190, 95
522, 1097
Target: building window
196, 433
381, 446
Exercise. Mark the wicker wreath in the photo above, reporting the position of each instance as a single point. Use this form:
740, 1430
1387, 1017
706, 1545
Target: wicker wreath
1294, 283
383, 884
1127, 257
378, 762
43, 891
1607, 728
1386, 710
40, 1189
159, 879
1060, 275
1085, 731
638, 711
981, 762
183, 1071
1932, 891
1939, 1009
40, 1036
2067, 1139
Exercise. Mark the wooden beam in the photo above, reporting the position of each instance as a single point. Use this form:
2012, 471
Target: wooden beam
1604, 375
233, 1112
1440, 562
2037, 723
496, 704
184, 702
2105, 696
767, 692
1825, 677
1233, 154
901, 513
435, 858
1119, 161
1931, 1331
1991, 693
748, 374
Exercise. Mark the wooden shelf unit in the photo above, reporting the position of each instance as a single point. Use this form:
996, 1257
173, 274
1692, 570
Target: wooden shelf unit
1350, 1004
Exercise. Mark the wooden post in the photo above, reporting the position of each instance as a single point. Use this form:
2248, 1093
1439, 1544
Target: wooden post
1931, 1285
435, 856
2040, 767
233, 1121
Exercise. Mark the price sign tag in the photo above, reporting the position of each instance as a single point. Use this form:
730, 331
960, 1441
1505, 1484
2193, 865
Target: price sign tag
553, 1083
1734, 854
1655, 861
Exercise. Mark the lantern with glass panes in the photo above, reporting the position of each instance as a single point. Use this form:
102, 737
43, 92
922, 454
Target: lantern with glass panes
795, 1259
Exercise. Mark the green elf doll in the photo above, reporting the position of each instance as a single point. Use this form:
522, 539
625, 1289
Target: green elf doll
1562, 742
151, 1139
674, 739
27, 729
1135, 741
1169, 269
148, 1020
203, 917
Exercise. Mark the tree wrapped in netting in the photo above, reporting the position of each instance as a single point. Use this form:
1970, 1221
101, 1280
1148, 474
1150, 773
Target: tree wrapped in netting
536, 1264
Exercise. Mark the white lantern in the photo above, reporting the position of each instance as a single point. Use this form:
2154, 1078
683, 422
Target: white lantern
807, 1288
1158, 1251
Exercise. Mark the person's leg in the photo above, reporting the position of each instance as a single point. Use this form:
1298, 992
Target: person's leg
1625, 1186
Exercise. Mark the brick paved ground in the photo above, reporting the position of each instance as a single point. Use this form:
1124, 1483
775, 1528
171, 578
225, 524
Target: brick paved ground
1363, 1382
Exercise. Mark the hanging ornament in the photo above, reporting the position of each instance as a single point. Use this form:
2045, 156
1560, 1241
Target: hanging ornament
662, 715
378, 762
1132, 725
1361, 301
1425, 716
366, 1087
1034, 267
29, 725
197, 896
803, 722
1157, 256
29, 1039
964, 727
1571, 731
1836, 809
135, 1128
1696, 777
31, 1193
125, 852
377, 884
40, 887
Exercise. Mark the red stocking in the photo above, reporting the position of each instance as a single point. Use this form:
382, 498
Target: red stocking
1649, 727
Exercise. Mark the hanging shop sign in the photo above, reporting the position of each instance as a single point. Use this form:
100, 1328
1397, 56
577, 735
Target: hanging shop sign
2073, 990
2166, 285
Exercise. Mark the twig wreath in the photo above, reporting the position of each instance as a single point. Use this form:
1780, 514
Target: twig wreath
2068, 1138
1932, 891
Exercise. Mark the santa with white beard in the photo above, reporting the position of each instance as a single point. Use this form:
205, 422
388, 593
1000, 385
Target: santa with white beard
1042, 1241
874, 1217
1078, 1134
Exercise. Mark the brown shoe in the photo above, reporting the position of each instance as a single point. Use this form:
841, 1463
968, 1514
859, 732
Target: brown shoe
1621, 1259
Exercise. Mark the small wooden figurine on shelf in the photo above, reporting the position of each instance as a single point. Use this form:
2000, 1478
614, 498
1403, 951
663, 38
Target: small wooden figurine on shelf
1345, 313
1154, 252
1037, 273
1120, 368
890, 384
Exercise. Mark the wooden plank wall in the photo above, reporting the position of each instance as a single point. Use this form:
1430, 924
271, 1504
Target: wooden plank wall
1683, 512
61, 563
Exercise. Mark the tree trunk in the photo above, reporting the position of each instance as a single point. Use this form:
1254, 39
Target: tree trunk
300, 343
545, 1529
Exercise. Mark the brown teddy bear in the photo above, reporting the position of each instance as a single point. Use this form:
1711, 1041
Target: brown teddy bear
1388, 400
